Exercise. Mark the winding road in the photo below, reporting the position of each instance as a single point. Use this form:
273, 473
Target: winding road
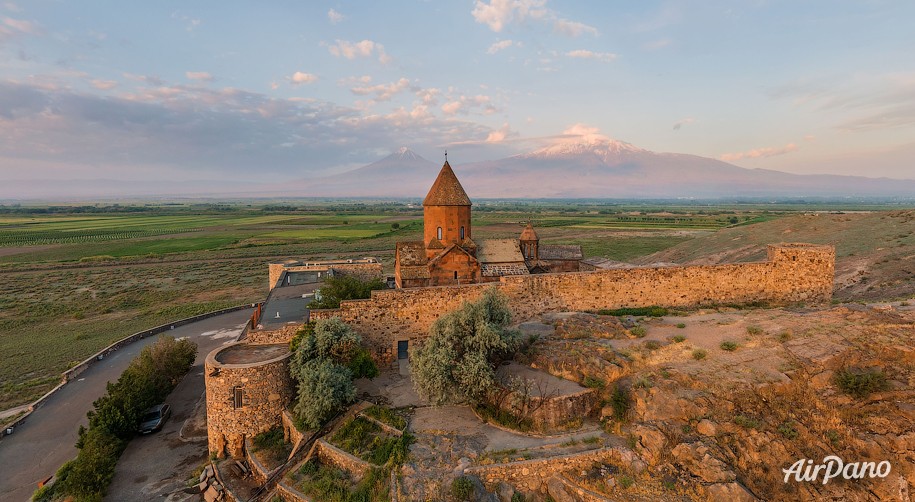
46, 440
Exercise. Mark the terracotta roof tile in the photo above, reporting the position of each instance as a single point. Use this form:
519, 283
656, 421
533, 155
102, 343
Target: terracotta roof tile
529, 234
447, 190
421, 272
499, 251
499, 270
411, 253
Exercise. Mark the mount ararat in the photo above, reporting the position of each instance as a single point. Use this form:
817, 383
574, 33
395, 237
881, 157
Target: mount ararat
596, 168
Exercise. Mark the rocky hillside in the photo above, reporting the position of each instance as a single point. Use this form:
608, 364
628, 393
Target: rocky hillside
718, 403
875, 252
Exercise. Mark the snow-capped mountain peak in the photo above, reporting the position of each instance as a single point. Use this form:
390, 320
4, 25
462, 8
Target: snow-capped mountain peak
601, 147
404, 153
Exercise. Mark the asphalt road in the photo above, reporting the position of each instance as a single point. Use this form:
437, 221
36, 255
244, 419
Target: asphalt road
46, 440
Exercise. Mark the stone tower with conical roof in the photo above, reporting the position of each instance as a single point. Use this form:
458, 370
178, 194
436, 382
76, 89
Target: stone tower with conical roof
530, 243
447, 254
446, 213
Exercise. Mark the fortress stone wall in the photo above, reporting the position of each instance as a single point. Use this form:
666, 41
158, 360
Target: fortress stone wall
365, 269
793, 273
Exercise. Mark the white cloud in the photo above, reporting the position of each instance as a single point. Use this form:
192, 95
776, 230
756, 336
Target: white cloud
299, 78
198, 129
12, 7
497, 14
501, 134
586, 54
452, 107
583, 132
190, 23
502, 45
334, 17
199, 75
104, 85
351, 81
10, 28
428, 96
21, 25
362, 49
383, 92
758, 153
573, 28
465, 104
863, 102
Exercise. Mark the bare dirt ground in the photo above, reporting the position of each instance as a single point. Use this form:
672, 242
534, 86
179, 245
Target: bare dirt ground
10, 251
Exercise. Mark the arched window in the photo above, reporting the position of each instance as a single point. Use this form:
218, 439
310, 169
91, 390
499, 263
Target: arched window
462, 232
455, 274
439, 233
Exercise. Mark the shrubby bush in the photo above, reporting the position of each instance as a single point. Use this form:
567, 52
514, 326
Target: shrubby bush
328, 356
336, 289
147, 381
860, 384
458, 361
324, 389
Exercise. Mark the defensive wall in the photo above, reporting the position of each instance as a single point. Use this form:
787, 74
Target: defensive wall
793, 273
363, 268
247, 389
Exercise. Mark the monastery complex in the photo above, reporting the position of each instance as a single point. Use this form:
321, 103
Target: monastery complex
248, 389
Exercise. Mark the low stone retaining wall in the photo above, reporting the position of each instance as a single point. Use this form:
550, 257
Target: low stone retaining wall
532, 475
329, 454
291, 433
290, 494
230, 495
583, 494
258, 470
71, 373
385, 427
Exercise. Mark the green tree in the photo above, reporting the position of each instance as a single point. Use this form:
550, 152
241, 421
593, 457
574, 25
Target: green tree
148, 379
345, 287
332, 339
457, 362
324, 388
327, 357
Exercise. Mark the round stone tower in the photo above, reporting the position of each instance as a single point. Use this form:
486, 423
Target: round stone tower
247, 388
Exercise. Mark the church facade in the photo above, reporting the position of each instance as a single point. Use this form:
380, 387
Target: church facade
449, 255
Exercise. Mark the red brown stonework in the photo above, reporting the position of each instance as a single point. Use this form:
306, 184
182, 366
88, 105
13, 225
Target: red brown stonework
794, 273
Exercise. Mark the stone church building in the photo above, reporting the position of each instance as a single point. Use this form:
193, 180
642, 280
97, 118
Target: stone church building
448, 254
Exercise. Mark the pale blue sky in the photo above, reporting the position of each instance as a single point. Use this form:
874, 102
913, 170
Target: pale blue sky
184, 90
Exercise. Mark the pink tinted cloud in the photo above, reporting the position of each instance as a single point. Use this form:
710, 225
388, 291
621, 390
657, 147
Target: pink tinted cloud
759, 153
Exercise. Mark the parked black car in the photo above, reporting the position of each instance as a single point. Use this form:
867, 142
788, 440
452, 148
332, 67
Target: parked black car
154, 418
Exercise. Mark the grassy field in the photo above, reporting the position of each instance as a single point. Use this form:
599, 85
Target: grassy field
76, 279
